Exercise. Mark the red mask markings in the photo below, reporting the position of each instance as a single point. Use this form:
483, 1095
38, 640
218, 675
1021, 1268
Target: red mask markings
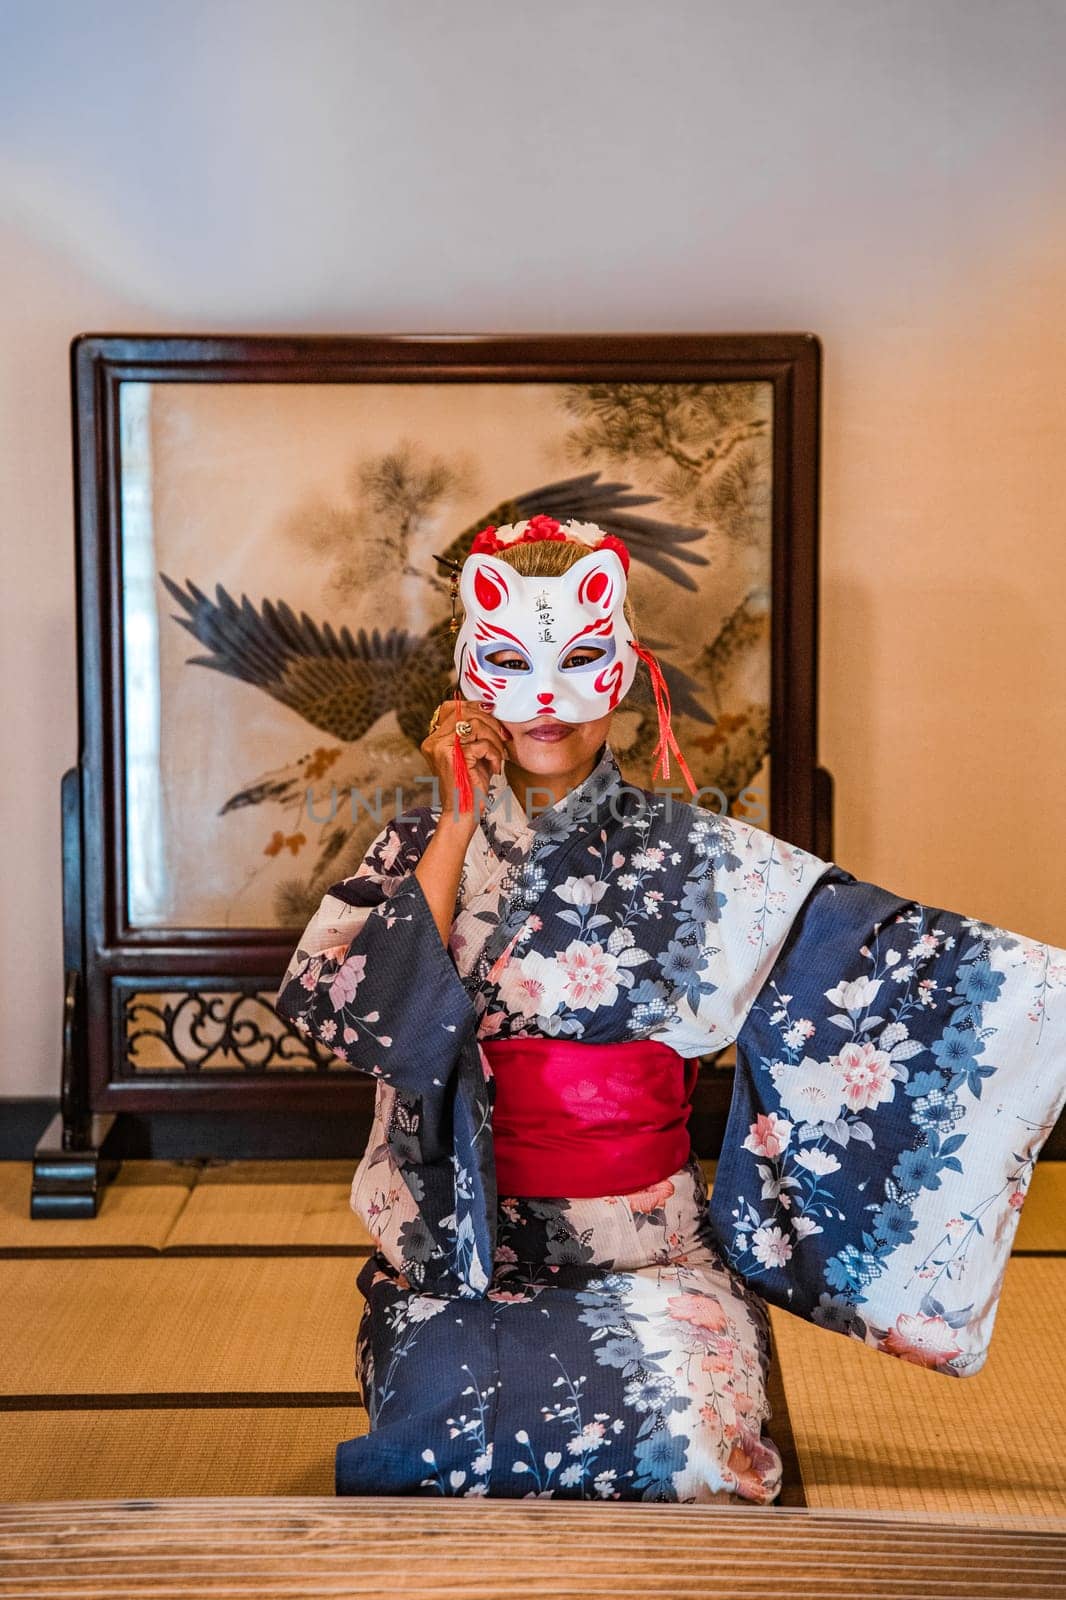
597, 590
474, 676
493, 630
608, 681
489, 589
602, 627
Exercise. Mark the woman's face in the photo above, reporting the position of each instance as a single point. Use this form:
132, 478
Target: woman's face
546, 746
533, 644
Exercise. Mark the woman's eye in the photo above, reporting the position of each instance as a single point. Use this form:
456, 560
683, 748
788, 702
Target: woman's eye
504, 658
583, 657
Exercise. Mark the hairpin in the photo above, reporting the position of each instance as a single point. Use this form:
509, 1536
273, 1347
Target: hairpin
453, 588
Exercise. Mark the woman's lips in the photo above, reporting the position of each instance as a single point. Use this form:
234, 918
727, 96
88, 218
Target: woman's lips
549, 732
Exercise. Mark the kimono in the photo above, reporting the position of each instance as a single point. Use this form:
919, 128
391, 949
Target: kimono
617, 1346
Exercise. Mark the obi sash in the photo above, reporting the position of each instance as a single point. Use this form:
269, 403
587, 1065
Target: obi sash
579, 1120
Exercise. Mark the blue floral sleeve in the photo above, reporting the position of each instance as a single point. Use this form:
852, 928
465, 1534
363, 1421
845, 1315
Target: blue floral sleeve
372, 979
348, 983
897, 1076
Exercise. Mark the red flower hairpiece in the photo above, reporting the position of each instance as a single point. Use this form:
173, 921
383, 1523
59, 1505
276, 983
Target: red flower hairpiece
540, 528
611, 542
486, 542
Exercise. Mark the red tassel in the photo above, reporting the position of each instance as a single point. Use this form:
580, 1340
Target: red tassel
667, 740
460, 771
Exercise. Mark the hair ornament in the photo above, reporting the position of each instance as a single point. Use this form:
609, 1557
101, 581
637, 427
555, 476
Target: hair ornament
454, 570
492, 539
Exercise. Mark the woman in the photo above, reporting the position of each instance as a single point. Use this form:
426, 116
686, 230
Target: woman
546, 1310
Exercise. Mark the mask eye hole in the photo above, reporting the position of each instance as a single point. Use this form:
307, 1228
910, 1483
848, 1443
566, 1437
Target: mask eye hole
583, 655
508, 659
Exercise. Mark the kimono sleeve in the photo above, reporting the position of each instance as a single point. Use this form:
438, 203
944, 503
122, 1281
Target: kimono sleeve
740, 896
898, 1073
370, 977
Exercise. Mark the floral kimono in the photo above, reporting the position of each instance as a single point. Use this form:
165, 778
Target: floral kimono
617, 1346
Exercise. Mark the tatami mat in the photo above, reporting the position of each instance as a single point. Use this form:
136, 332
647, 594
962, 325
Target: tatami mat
284, 1174
173, 1325
241, 1215
137, 1210
1042, 1220
159, 1205
113, 1454
143, 1375
874, 1431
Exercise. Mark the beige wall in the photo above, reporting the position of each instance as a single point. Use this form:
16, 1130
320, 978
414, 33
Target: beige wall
888, 175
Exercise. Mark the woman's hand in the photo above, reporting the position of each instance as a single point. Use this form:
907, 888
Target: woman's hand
440, 869
484, 750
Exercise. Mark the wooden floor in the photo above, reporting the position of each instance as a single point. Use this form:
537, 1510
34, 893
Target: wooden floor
196, 1338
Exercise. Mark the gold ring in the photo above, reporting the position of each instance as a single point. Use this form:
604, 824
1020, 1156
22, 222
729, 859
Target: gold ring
464, 728
434, 719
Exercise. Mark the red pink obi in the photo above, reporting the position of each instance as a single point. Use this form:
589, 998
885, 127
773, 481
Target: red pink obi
580, 1120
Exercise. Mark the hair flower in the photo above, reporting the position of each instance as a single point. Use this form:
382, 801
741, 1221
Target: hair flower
541, 527
485, 542
492, 540
611, 541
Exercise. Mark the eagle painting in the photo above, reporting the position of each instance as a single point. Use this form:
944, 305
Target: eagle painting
343, 683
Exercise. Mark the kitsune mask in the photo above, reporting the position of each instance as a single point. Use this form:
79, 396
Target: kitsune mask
525, 643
